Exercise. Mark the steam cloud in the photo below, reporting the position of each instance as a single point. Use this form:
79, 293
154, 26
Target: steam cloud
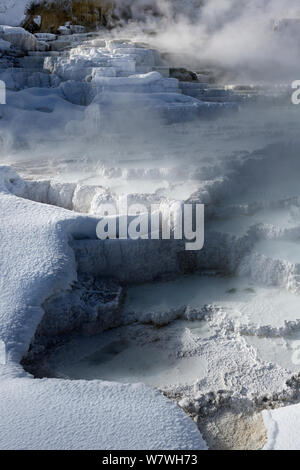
235, 34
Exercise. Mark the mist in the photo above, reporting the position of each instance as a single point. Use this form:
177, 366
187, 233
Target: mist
240, 37
243, 35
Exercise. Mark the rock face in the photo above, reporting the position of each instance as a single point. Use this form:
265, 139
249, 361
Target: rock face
82, 13
183, 75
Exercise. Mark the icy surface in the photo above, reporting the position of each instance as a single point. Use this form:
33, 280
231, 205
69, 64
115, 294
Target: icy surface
59, 414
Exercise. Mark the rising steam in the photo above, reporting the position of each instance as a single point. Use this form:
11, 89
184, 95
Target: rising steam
234, 34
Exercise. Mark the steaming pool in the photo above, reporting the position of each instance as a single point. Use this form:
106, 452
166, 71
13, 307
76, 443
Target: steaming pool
114, 357
169, 351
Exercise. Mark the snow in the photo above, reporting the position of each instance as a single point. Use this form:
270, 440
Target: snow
38, 262
37, 257
283, 428
78, 415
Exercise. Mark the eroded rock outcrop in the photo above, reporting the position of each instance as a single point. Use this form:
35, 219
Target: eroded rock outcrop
53, 14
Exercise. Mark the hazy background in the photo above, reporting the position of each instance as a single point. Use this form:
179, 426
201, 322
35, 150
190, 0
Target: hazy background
238, 34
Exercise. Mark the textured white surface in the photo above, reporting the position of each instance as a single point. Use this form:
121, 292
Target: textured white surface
36, 261
283, 427
59, 414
